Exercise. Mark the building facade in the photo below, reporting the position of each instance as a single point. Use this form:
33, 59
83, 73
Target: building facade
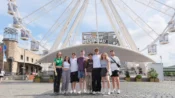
104, 38
15, 58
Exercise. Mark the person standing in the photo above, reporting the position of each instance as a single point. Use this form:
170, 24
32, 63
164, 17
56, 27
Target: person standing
115, 68
2, 73
96, 72
81, 72
58, 62
74, 72
88, 72
66, 75
105, 71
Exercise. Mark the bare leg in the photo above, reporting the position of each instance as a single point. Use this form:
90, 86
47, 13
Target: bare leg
84, 84
118, 82
103, 81
108, 81
113, 83
81, 84
72, 86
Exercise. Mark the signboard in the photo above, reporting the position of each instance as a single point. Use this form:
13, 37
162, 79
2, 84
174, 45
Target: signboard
104, 38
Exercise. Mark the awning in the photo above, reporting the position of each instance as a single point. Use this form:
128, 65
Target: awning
125, 55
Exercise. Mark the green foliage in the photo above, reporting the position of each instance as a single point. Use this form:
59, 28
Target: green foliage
138, 77
152, 73
37, 77
51, 77
127, 74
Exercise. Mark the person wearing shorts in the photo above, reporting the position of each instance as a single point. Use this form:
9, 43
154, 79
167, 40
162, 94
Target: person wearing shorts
105, 72
88, 73
74, 73
81, 71
115, 72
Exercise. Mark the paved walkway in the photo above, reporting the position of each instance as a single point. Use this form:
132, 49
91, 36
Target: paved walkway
26, 89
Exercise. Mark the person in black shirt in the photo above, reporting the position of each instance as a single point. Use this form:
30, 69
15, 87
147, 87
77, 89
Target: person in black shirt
88, 72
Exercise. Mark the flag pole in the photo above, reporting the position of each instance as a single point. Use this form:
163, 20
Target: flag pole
2, 46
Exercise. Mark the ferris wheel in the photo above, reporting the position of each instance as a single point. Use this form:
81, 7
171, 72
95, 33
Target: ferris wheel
73, 15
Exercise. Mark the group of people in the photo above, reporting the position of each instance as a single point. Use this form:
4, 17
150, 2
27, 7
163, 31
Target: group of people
89, 72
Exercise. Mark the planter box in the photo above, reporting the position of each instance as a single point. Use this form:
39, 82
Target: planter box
128, 79
156, 80
151, 80
31, 77
37, 80
50, 80
138, 80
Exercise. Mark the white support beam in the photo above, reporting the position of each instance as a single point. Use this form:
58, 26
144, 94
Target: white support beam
65, 27
112, 23
122, 26
76, 22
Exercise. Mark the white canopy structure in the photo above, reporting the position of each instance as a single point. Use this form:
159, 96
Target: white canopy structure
124, 54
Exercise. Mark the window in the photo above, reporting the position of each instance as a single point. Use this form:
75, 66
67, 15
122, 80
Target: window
32, 59
27, 58
21, 57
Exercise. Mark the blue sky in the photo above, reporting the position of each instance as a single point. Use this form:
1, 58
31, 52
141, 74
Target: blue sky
41, 25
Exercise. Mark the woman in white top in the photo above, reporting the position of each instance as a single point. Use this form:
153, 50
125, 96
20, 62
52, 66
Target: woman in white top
115, 72
66, 75
105, 71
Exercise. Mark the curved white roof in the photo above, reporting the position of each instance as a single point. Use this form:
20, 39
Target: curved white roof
124, 54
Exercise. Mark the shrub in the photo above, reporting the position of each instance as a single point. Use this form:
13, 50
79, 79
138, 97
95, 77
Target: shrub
152, 73
37, 77
127, 74
51, 77
138, 77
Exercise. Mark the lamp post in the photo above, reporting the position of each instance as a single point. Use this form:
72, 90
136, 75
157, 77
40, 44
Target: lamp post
161, 60
24, 65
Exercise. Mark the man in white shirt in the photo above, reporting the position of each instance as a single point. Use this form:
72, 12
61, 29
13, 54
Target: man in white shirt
96, 72
74, 72
115, 64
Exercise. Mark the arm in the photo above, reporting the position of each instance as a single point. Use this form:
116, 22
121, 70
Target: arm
109, 65
85, 67
54, 66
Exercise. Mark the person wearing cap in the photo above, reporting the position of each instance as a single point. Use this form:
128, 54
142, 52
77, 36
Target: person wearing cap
96, 72
115, 68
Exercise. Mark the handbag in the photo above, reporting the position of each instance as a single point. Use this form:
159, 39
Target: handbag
115, 62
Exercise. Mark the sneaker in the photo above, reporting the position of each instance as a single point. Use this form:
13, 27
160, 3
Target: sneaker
63, 92
113, 91
84, 91
71, 92
109, 92
93, 93
79, 92
56, 93
74, 91
118, 91
98, 92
